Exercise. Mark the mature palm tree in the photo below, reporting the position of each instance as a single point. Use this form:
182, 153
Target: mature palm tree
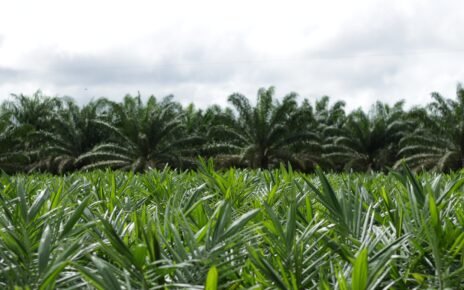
205, 123
13, 158
333, 115
309, 152
329, 121
263, 135
73, 132
29, 114
143, 137
438, 140
370, 141
35, 110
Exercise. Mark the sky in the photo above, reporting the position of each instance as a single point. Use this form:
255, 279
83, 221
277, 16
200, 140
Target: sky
203, 51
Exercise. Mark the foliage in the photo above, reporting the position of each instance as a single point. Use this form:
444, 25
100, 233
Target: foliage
143, 136
369, 141
263, 135
12, 155
55, 135
234, 229
438, 141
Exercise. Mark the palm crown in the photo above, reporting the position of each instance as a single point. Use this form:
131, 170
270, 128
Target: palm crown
369, 141
143, 136
266, 133
438, 140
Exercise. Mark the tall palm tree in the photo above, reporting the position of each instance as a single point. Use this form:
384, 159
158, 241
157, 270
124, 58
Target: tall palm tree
143, 137
13, 158
370, 141
29, 114
329, 121
438, 141
35, 110
73, 133
261, 136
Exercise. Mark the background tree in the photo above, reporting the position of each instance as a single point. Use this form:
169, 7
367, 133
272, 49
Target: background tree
370, 141
266, 133
56, 135
29, 114
329, 121
438, 141
13, 158
36, 110
143, 136
310, 151
73, 132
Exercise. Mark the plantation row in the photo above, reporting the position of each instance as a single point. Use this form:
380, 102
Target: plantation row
231, 230
41, 133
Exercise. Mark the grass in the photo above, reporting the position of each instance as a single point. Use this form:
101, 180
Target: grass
232, 230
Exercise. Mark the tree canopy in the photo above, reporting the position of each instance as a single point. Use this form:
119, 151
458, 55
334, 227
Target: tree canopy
53, 134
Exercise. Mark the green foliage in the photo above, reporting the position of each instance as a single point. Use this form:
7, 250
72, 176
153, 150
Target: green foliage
369, 141
212, 279
233, 229
438, 140
52, 134
142, 137
265, 134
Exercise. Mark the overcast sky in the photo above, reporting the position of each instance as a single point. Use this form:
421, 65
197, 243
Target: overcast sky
202, 51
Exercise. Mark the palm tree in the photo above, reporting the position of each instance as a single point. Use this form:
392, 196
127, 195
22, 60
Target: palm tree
370, 141
438, 141
72, 133
143, 137
35, 110
329, 121
12, 155
26, 115
261, 136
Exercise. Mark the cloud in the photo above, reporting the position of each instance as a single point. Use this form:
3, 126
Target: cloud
387, 30
192, 64
360, 52
9, 74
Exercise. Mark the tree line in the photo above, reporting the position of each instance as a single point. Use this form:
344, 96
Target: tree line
54, 134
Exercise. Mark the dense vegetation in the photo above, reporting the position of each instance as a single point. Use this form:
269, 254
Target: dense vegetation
51, 134
242, 228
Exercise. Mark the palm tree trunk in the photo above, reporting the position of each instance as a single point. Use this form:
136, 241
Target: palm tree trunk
461, 143
264, 162
462, 153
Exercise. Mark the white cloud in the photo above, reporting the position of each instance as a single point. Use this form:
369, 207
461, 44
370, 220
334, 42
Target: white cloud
201, 51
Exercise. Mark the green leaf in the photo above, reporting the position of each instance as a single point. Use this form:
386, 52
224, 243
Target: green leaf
360, 271
37, 204
237, 225
44, 249
50, 277
434, 214
290, 229
109, 280
75, 217
418, 189
212, 279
